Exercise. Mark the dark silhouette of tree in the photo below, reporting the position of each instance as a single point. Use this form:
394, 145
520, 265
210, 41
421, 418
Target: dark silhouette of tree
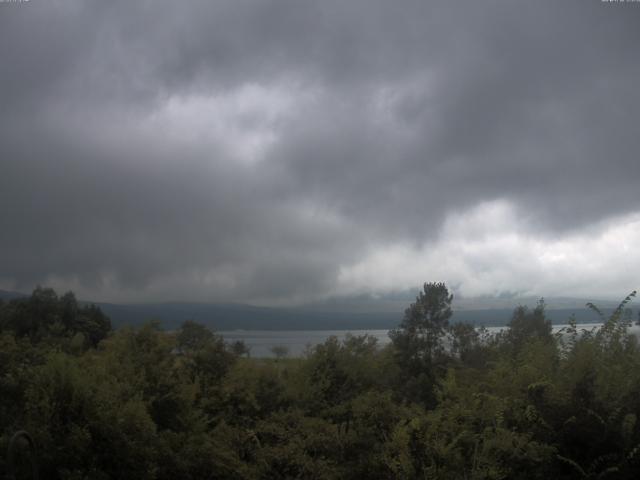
193, 336
240, 348
280, 351
528, 325
45, 315
418, 341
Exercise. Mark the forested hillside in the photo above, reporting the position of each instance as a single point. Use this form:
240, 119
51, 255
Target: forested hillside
442, 401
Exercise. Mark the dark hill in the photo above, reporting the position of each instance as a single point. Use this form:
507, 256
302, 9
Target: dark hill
247, 317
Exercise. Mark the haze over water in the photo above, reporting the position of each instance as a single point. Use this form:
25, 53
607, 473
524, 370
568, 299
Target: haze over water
260, 342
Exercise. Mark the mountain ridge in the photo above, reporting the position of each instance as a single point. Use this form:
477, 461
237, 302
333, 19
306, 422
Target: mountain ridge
361, 313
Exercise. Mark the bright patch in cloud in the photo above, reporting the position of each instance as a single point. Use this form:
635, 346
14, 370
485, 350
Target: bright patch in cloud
245, 122
492, 249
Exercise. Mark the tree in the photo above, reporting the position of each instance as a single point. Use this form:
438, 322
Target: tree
418, 341
240, 348
93, 324
280, 351
467, 344
527, 325
193, 336
425, 322
45, 315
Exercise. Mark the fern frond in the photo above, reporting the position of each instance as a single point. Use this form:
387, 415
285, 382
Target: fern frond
596, 310
608, 471
574, 464
617, 313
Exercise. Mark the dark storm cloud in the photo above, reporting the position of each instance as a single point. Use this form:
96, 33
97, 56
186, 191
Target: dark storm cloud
373, 121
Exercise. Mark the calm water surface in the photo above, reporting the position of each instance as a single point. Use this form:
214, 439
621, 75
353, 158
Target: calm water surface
297, 341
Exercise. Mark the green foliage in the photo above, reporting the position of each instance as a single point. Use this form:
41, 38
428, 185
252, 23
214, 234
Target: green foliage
193, 337
45, 317
419, 342
526, 326
419, 336
440, 402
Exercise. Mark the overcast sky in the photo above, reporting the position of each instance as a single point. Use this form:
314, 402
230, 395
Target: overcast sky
284, 151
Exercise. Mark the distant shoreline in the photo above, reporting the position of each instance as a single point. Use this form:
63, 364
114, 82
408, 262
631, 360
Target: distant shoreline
260, 342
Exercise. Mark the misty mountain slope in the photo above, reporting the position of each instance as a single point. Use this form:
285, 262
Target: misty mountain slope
246, 317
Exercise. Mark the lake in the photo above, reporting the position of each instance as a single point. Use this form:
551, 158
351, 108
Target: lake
297, 341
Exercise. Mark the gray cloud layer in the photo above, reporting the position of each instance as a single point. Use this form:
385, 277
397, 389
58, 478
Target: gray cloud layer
254, 150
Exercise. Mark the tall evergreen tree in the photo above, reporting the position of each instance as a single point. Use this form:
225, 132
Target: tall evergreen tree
418, 341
